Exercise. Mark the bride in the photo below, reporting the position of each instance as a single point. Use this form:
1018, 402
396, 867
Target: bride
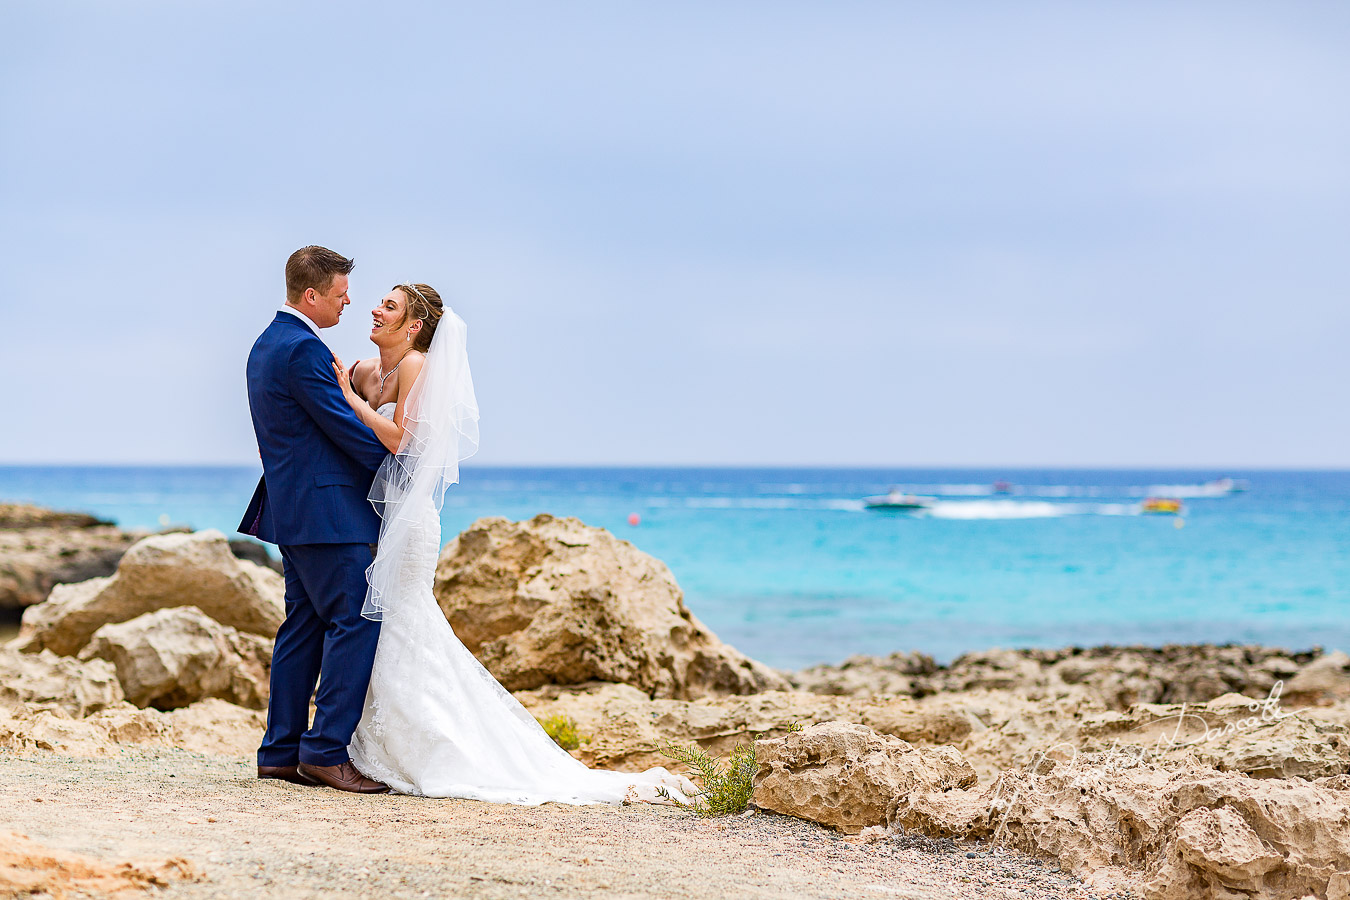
436, 723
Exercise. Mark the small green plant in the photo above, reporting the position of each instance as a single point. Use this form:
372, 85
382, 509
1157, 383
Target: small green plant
725, 787
563, 730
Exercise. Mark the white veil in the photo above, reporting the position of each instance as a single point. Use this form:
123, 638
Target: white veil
440, 429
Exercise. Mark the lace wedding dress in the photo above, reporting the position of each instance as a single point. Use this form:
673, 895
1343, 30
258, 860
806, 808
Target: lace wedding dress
436, 723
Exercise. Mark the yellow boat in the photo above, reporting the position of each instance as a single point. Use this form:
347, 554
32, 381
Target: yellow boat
1165, 506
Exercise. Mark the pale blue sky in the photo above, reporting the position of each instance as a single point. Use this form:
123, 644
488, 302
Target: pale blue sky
843, 233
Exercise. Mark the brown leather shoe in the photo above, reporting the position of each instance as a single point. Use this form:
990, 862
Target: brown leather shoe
284, 773
343, 777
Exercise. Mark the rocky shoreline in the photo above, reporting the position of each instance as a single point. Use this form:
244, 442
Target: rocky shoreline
1170, 772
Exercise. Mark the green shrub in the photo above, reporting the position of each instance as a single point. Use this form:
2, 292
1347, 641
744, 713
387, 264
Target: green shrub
563, 730
725, 787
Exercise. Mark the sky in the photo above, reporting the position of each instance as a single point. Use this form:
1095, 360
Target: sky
733, 233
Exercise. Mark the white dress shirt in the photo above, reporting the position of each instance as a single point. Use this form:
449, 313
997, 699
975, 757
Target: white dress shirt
287, 308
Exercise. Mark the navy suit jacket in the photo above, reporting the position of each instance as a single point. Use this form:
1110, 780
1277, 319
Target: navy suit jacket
318, 458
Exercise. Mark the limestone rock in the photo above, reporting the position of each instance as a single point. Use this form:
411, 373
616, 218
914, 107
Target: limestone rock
1192, 832
626, 728
18, 516
161, 571
211, 726
47, 680
553, 601
1012, 730
1116, 677
34, 560
173, 657
1322, 682
1221, 841
845, 775
1334, 782
255, 553
31, 727
1232, 733
899, 673
215, 726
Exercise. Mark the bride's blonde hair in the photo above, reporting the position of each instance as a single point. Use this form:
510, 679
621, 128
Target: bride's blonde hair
424, 304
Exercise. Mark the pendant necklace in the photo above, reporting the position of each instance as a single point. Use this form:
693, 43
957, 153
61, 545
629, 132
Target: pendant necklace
386, 375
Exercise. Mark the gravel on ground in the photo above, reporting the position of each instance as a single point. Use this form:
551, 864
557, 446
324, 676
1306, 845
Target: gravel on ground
225, 834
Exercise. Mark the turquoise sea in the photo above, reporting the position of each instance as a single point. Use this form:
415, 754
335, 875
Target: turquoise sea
787, 565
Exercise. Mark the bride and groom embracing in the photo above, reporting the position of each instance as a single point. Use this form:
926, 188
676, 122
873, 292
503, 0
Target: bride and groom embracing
355, 466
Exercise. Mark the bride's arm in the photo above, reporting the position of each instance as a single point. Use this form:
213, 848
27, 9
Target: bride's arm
389, 432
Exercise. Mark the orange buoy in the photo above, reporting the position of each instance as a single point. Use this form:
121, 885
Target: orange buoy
634, 519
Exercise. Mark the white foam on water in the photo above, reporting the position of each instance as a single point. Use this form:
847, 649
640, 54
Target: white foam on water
1207, 489
997, 509
1024, 509
1188, 490
941, 509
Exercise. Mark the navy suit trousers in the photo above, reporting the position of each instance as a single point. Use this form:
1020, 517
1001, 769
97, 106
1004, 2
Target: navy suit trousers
325, 589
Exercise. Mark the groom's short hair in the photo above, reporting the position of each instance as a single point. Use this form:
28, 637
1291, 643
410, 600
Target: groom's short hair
313, 267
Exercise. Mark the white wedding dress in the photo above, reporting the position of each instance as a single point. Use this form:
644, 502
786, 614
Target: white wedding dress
436, 723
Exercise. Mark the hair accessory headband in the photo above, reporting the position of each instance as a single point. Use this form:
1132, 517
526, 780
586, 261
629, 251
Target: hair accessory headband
408, 285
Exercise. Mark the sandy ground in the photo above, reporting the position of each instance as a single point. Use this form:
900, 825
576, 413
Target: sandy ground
246, 838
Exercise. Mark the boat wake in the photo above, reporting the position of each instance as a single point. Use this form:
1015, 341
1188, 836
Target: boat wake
936, 509
1023, 509
1221, 487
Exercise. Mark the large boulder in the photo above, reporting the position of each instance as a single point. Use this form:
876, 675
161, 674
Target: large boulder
845, 775
1191, 831
553, 601
57, 682
174, 657
161, 571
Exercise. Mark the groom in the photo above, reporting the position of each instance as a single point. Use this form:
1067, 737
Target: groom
318, 463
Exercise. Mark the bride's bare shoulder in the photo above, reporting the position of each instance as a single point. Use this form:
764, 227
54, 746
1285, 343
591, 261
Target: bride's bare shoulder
365, 375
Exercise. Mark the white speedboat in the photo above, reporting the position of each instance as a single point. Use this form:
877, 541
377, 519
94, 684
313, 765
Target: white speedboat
898, 500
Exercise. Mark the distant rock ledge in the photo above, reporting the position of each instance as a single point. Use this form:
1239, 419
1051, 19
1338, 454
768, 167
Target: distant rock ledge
41, 548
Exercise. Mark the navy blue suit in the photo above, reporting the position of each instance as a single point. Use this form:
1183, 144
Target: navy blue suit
318, 463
